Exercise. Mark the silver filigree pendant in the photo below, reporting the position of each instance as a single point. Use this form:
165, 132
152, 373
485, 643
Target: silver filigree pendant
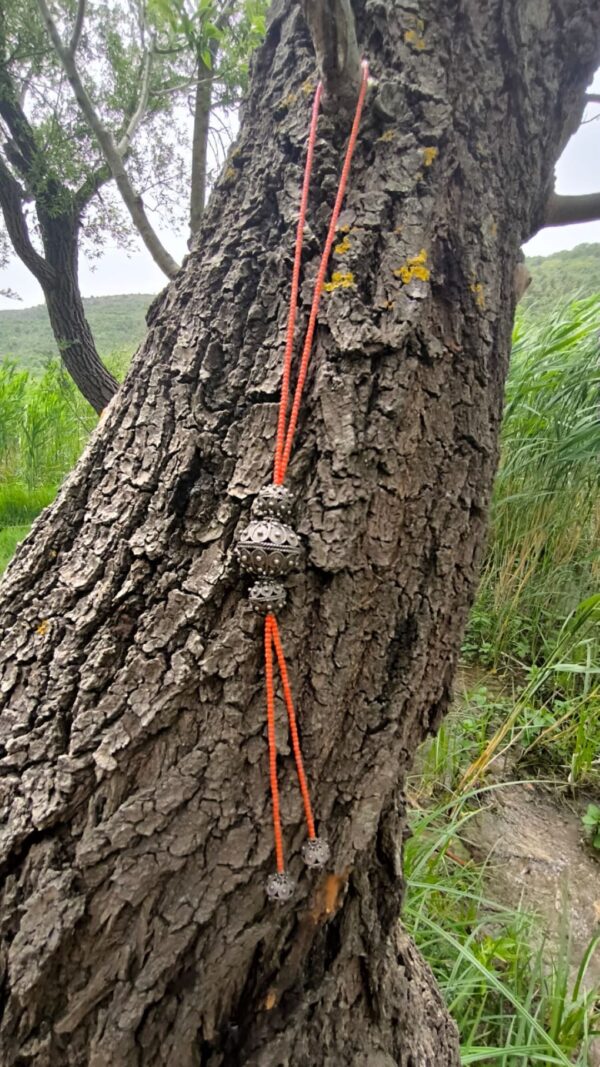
316, 852
269, 548
280, 886
267, 597
273, 502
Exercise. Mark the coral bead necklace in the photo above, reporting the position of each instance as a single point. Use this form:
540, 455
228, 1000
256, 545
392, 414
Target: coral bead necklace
269, 548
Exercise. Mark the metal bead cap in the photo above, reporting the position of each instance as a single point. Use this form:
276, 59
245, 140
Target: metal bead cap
280, 886
316, 852
269, 548
265, 597
273, 502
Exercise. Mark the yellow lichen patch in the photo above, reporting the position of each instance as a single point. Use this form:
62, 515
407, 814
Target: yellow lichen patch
387, 136
414, 268
416, 40
287, 100
230, 175
42, 628
270, 1000
308, 87
343, 246
429, 154
494, 228
339, 280
398, 229
344, 229
477, 289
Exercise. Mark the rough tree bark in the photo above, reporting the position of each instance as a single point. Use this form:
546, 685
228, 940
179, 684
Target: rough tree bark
136, 838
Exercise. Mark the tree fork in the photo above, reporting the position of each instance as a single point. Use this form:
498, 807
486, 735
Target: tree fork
136, 844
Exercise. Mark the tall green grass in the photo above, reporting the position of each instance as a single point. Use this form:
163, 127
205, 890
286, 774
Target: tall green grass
511, 997
44, 425
543, 556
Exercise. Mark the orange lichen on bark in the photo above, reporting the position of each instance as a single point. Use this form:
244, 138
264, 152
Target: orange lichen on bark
339, 280
477, 289
414, 268
416, 40
343, 246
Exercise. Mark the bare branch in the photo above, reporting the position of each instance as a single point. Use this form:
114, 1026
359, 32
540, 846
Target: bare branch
565, 210
132, 200
171, 89
125, 142
77, 28
333, 31
202, 108
592, 98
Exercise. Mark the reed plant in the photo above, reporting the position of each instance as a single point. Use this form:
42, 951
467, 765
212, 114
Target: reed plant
543, 556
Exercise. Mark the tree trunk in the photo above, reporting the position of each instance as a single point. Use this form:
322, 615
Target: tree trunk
136, 841
67, 316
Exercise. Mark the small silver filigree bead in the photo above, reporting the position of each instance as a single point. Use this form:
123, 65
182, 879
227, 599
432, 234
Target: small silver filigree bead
280, 886
267, 597
269, 548
316, 852
273, 502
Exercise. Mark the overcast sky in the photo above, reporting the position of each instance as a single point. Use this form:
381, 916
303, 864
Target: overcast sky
578, 171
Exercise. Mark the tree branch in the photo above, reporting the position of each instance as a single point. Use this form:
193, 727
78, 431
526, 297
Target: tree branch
132, 200
77, 28
592, 98
92, 184
565, 210
125, 142
16, 121
333, 31
14, 220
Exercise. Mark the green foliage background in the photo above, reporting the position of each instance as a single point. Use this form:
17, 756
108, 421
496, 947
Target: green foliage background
117, 322
564, 275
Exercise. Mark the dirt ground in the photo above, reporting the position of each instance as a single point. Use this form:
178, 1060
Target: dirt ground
537, 859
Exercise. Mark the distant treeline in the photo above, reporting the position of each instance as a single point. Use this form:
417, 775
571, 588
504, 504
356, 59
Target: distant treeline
563, 276
118, 322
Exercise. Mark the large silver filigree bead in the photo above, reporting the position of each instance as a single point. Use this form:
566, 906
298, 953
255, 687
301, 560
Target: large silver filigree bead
280, 886
273, 502
316, 852
269, 548
266, 597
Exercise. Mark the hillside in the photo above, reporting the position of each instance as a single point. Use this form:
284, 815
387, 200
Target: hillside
562, 277
117, 322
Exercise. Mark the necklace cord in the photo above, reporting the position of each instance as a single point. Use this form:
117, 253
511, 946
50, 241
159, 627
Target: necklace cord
283, 447
285, 437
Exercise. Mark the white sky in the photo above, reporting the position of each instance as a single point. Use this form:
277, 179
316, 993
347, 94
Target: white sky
577, 171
